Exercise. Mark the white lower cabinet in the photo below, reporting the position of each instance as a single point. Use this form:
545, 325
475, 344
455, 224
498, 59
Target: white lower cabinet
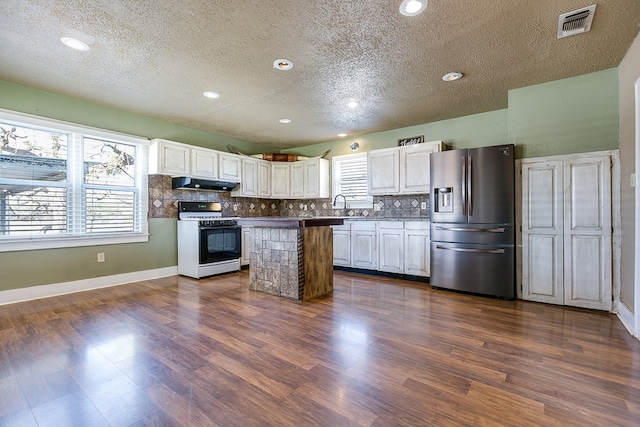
400, 247
246, 249
342, 245
364, 245
391, 240
417, 248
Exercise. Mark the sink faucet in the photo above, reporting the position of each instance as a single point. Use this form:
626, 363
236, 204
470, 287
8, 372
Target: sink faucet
344, 209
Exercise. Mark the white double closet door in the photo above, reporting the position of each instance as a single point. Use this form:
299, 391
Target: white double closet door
567, 230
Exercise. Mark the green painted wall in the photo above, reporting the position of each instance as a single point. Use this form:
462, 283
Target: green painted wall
477, 130
39, 267
28, 100
574, 115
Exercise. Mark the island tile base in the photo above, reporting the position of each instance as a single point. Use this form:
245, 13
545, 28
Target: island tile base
295, 263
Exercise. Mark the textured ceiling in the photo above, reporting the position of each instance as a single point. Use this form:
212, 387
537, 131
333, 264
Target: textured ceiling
157, 57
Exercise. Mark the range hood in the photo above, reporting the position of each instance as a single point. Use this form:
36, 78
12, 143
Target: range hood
186, 183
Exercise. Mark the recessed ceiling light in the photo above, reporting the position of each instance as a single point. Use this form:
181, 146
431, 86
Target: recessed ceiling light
212, 95
342, 135
450, 77
285, 121
352, 104
74, 43
413, 7
282, 64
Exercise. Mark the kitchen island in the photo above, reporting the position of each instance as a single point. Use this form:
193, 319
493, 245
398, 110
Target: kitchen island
291, 257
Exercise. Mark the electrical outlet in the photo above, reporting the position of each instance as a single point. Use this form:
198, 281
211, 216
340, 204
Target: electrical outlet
304, 208
423, 205
235, 207
632, 180
376, 207
101, 257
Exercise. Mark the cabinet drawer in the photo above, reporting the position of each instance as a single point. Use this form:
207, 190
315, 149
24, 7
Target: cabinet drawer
364, 225
417, 225
390, 225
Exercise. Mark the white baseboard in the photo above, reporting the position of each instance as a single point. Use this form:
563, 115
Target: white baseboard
627, 318
43, 291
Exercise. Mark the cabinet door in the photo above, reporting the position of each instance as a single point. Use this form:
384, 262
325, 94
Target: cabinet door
342, 245
246, 249
263, 184
391, 248
414, 168
316, 178
416, 249
296, 176
169, 158
204, 163
383, 170
249, 180
230, 167
280, 180
542, 232
587, 232
364, 248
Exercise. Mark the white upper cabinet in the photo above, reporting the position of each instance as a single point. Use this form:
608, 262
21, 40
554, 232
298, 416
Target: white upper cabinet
257, 177
204, 163
300, 180
230, 167
316, 178
255, 180
263, 185
280, 180
249, 180
169, 158
415, 167
401, 170
296, 176
383, 169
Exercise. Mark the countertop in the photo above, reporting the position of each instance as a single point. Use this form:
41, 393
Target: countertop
290, 222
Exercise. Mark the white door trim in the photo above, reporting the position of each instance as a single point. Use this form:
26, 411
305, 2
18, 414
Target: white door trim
636, 292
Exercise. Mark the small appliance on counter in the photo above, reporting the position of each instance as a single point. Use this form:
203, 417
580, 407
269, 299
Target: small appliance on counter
472, 220
208, 243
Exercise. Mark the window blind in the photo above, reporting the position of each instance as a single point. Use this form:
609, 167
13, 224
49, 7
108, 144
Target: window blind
350, 178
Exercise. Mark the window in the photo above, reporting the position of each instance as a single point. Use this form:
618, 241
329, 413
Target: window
349, 178
68, 185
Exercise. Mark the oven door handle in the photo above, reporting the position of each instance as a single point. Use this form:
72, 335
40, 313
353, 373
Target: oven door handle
224, 227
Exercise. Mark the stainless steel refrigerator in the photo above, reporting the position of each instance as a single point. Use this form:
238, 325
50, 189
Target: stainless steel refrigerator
472, 220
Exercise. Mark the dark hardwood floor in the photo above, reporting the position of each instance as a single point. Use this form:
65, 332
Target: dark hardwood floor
377, 352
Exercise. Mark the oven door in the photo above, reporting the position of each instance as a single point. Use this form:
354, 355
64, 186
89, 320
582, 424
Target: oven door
220, 243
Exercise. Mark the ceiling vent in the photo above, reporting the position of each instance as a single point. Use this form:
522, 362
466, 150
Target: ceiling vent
576, 22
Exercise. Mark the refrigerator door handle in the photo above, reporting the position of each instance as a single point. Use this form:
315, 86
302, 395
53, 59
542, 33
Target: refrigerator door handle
479, 251
481, 230
464, 185
469, 182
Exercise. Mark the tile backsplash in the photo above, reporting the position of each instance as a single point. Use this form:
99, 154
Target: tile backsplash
163, 203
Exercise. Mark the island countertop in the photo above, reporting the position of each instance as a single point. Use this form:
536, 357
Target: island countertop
290, 222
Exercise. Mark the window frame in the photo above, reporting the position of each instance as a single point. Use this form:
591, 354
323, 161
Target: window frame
335, 178
76, 134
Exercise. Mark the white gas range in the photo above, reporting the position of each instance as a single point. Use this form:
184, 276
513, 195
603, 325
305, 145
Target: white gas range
208, 243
